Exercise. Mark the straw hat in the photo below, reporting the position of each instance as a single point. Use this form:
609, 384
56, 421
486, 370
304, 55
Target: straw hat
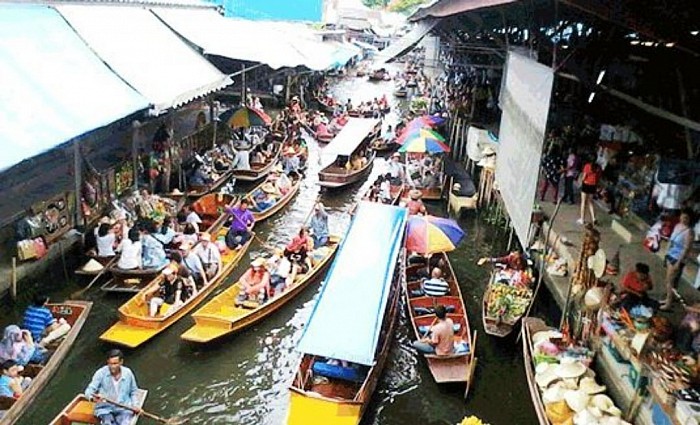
544, 375
546, 336
415, 194
569, 369
488, 151
290, 151
554, 393
605, 404
396, 155
577, 400
205, 237
593, 298
278, 168
589, 386
597, 263
268, 188
121, 215
167, 271
258, 262
177, 192
93, 266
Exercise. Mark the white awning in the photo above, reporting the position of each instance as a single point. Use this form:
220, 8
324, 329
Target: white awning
407, 42
145, 53
348, 139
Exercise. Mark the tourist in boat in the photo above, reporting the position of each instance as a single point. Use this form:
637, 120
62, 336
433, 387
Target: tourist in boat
39, 321
415, 204
257, 104
18, 345
385, 189
209, 254
189, 235
166, 233
193, 263
192, 217
265, 197
436, 286
114, 382
152, 249
513, 261
388, 136
130, 249
122, 227
634, 288
200, 177
241, 226
396, 170
12, 385
439, 339
168, 293
290, 160
242, 160
297, 250
319, 226
255, 283
282, 182
106, 240
282, 272
348, 106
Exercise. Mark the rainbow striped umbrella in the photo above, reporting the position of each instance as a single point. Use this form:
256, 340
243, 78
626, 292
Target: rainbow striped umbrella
246, 117
423, 143
430, 234
419, 132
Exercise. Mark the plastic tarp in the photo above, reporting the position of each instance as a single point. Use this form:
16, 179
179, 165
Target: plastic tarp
344, 52
346, 321
348, 139
54, 88
145, 53
259, 41
407, 42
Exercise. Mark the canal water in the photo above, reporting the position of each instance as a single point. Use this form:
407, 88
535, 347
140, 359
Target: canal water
244, 379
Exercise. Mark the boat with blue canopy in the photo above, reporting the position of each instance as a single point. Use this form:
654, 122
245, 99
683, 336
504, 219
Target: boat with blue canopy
347, 338
348, 157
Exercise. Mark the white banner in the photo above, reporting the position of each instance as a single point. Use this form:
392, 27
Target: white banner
525, 103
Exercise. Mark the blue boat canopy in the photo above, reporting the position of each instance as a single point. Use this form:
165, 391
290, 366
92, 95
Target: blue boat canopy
346, 322
54, 87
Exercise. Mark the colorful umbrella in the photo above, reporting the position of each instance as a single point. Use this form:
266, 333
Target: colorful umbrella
423, 144
430, 234
419, 132
246, 117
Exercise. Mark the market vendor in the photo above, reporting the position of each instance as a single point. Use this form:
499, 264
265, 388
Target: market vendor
634, 287
514, 261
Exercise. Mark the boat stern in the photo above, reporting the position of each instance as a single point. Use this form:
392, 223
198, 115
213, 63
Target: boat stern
128, 335
204, 333
312, 409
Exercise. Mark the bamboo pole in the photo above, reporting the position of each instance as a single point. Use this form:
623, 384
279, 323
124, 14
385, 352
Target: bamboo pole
77, 181
13, 283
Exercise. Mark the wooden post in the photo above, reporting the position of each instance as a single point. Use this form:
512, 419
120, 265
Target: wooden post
684, 109
135, 126
288, 90
244, 91
77, 169
213, 112
13, 283
465, 140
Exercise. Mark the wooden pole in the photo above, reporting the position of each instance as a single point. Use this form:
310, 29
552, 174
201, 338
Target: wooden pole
244, 91
684, 109
78, 181
13, 283
214, 121
136, 126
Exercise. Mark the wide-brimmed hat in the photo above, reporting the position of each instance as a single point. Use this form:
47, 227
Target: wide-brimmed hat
278, 168
597, 263
268, 188
186, 245
93, 266
415, 194
167, 271
577, 400
258, 262
396, 155
589, 386
544, 375
177, 191
569, 369
605, 404
593, 298
205, 237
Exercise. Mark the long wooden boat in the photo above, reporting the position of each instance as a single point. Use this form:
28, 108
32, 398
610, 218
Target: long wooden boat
337, 376
531, 326
135, 326
323, 106
261, 214
259, 170
75, 313
457, 367
210, 206
220, 317
129, 281
381, 146
500, 325
334, 176
197, 191
80, 411
395, 192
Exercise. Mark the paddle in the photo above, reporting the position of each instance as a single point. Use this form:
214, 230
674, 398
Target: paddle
79, 293
176, 420
263, 243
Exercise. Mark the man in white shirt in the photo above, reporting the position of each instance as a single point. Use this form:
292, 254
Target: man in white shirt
209, 255
282, 272
396, 170
192, 217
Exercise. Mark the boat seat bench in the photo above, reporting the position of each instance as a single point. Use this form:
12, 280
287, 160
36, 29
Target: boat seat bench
338, 372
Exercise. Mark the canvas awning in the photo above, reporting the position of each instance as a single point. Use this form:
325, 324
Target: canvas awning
356, 293
54, 88
145, 53
444, 8
346, 142
407, 42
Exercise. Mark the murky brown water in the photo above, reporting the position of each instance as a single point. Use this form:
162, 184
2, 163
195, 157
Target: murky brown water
244, 379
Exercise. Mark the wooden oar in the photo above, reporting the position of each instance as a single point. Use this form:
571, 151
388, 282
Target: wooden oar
92, 282
176, 420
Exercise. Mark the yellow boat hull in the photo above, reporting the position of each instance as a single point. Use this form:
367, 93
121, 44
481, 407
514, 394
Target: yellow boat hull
310, 409
220, 317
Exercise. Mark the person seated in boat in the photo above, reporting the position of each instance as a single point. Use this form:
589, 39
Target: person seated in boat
429, 180
209, 255
265, 197
166, 231
18, 345
241, 226
189, 235
439, 339
436, 286
39, 321
388, 135
114, 382
192, 217
255, 283
106, 240
355, 163
282, 272
12, 384
166, 296
384, 102
515, 260
415, 204
221, 162
319, 226
290, 160
200, 177
343, 119
385, 189
122, 226
396, 170
242, 160
323, 132
298, 249
348, 105
152, 249
131, 251
193, 263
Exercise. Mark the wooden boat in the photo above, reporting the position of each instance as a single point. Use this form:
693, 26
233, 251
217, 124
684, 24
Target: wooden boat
323, 106
209, 207
259, 170
353, 139
395, 192
135, 326
263, 213
496, 325
75, 313
80, 411
220, 317
454, 367
381, 146
337, 376
378, 75
401, 92
197, 191
129, 281
531, 326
